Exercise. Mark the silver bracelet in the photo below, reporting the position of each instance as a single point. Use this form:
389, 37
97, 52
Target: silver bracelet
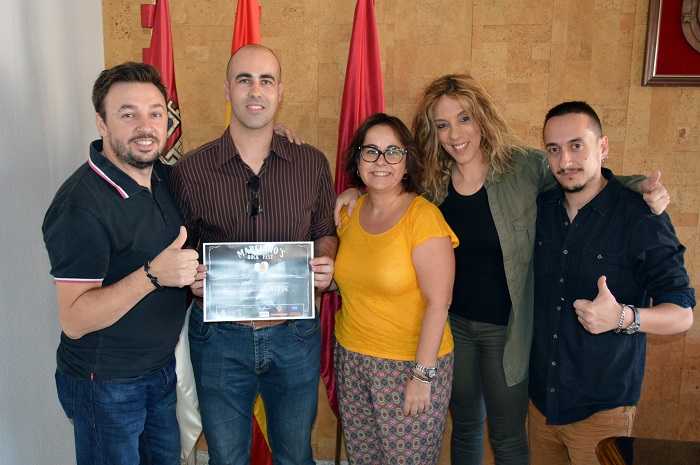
423, 380
622, 320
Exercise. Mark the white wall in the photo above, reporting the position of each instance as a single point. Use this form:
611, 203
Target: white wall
51, 53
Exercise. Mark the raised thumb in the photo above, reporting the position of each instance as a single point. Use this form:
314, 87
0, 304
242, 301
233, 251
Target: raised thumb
603, 285
651, 183
180, 239
655, 176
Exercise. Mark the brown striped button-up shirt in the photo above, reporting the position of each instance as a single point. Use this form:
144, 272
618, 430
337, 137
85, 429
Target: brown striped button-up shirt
296, 194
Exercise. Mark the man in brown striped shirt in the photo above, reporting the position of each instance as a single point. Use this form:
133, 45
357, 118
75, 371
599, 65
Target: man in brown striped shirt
251, 185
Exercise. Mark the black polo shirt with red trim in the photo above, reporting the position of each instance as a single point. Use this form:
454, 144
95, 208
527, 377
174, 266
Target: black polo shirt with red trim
102, 226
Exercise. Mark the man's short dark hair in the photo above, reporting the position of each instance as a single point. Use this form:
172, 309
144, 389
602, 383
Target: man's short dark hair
576, 107
126, 72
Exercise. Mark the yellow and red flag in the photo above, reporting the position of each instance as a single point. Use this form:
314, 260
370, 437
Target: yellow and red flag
160, 55
246, 31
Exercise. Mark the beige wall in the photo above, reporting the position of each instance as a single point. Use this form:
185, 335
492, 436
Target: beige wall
531, 54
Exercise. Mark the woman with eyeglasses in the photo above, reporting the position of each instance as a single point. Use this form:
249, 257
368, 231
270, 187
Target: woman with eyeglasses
394, 270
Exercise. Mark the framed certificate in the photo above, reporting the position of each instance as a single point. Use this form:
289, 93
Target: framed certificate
258, 281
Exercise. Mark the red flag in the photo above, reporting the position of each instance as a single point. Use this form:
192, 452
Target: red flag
246, 31
363, 95
160, 55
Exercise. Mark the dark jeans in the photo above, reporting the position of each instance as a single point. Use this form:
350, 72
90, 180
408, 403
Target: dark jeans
123, 421
479, 390
233, 362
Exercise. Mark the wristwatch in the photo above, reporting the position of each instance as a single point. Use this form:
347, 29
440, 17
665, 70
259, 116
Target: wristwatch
631, 329
428, 372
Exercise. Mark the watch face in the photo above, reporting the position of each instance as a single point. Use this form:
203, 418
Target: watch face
432, 372
632, 329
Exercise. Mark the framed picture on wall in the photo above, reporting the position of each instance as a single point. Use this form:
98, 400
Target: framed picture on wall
673, 44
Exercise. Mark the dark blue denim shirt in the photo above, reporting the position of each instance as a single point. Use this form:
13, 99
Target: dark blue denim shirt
573, 373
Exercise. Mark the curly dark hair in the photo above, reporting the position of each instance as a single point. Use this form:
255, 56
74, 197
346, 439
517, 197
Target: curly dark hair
414, 165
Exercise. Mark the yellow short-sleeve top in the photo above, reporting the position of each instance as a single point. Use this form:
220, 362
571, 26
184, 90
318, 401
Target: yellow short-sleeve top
383, 307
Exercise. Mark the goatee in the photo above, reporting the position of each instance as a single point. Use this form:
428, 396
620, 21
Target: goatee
126, 156
573, 190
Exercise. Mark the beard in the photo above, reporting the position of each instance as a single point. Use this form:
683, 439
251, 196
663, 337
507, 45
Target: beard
575, 188
126, 156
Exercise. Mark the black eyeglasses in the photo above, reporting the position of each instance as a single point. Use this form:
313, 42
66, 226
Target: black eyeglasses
253, 207
392, 155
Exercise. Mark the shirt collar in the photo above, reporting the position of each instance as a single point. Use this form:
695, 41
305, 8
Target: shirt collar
115, 177
228, 150
604, 201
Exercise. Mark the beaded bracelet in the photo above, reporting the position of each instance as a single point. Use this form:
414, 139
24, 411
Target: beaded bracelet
154, 280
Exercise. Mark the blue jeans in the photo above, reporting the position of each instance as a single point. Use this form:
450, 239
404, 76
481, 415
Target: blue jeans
233, 362
479, 389
123, 421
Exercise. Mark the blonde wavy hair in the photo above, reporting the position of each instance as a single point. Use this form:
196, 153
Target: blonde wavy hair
498, 140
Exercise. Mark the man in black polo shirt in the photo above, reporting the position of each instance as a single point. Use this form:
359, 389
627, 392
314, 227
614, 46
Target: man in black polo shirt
601, 258
114, 238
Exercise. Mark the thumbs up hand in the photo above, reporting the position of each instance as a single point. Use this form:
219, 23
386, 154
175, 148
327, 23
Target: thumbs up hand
600, 314
654, 193
175, 266
180, 239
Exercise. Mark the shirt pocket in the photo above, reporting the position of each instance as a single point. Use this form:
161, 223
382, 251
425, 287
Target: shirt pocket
596, 263
617, 352
524, 233
541, 258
